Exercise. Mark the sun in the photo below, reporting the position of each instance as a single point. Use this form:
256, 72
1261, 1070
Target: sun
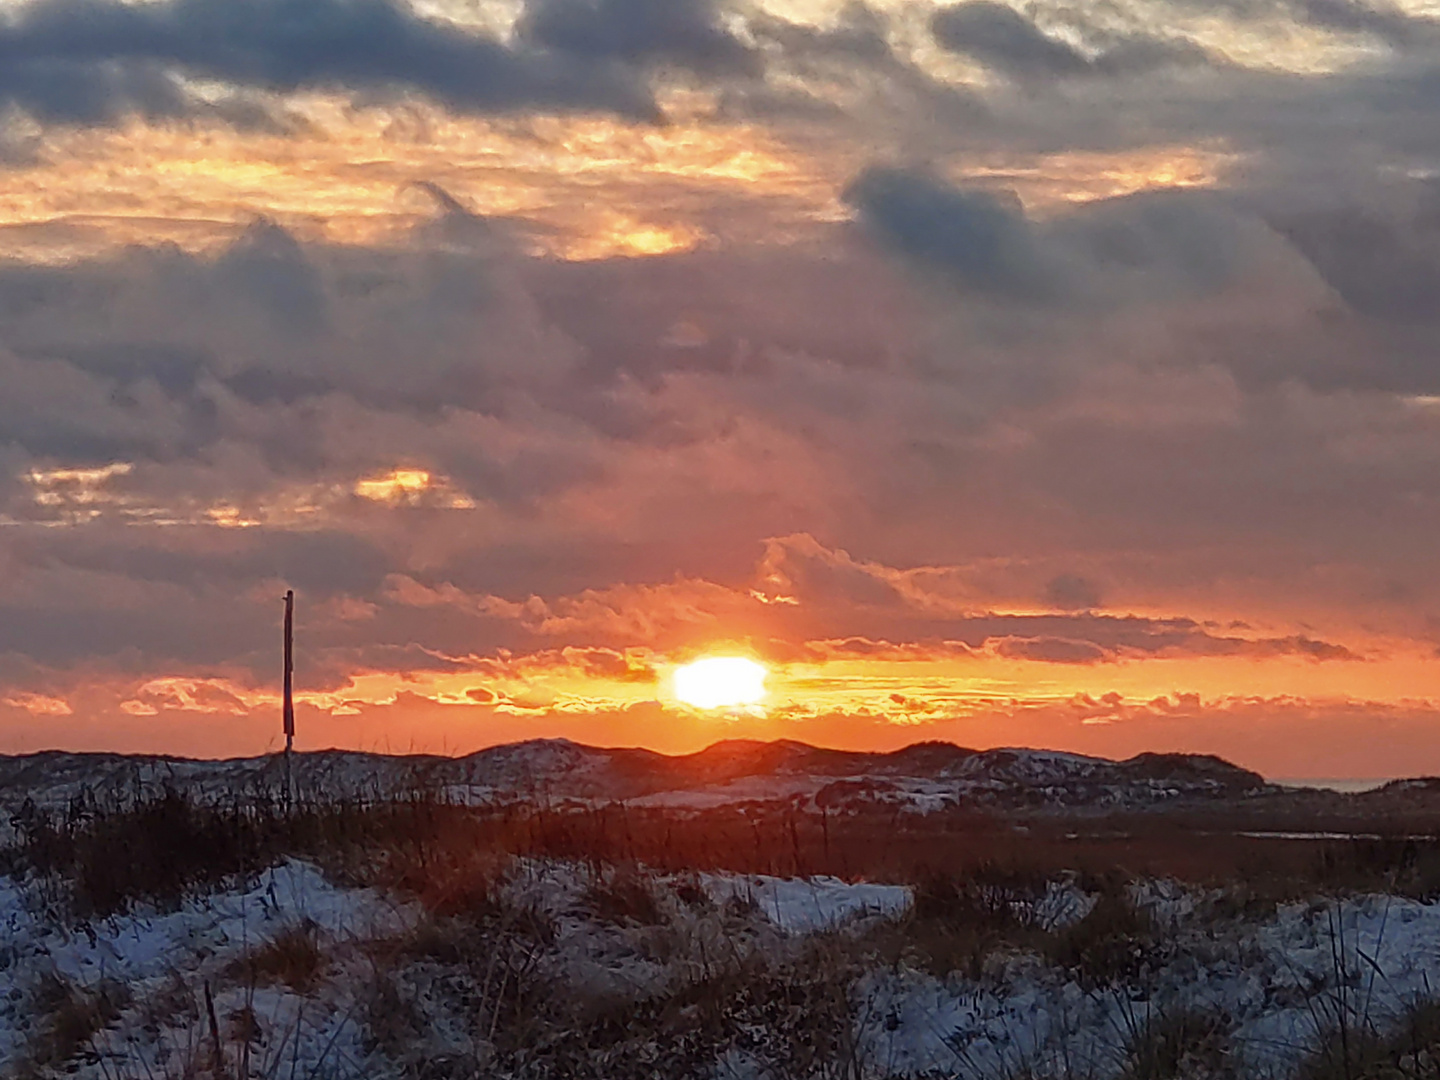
719, 682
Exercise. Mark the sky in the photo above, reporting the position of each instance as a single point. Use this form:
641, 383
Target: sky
1060, 374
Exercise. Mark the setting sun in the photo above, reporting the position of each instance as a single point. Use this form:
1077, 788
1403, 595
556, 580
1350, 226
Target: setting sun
719, 682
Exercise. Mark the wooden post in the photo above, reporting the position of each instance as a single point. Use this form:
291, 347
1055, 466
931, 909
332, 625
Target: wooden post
289, 670
289, 708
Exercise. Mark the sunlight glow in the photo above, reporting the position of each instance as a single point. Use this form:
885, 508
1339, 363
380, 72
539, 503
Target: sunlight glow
395, 485
719, 682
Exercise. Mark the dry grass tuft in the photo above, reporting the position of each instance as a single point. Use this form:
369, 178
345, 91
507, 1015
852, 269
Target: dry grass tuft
392, 1023
959, 921
1116, 944
1357, 1051
1180, 1045
623, 895
71, 1016
293, 957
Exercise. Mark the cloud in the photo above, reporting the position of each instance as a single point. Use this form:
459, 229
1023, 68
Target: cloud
1387, 22
1140, 247
1121, 370
999, 35
871, 610
1003, 39
1051, 650
973, 235
100, 62
688, 33
1384, 261
1071, 592
1390, 23
843, 460
1087, 640
268, 268
90, 61
611, 664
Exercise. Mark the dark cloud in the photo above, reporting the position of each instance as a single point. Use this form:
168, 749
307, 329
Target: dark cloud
55, 408
863, 607
1071, 80
147, 356
856, 36
999, 36
1139, 54
1141, 247
186, 632
1071, 592
89, 61
1051, 650
267, 267
1090, 638
849, 59
613, 442
984, 242
1080, 650
174, 368
687, 33
1006, 41
63, 90
97, 61
1384, 264
708, 311
321, 563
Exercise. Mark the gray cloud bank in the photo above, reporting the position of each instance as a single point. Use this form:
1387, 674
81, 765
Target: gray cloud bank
88, 61
1158, 402
1079, 76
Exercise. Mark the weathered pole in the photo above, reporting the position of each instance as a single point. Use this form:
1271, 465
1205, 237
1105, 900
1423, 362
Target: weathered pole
289, 708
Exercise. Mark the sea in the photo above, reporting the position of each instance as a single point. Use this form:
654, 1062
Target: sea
1347, 784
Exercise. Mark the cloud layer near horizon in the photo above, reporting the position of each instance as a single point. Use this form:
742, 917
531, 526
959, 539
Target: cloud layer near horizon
979, 368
